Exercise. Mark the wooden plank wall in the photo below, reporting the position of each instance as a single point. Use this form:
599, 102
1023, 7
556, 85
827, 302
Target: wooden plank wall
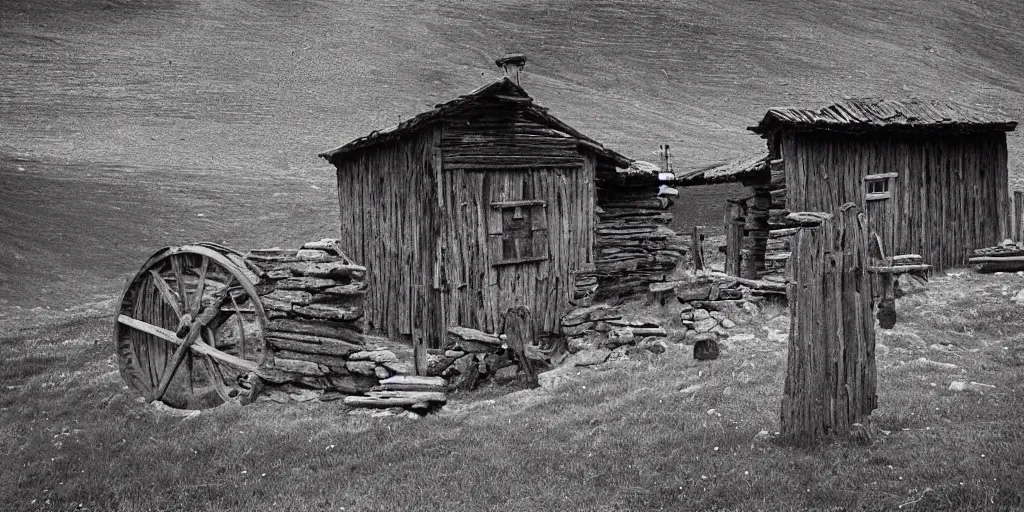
389, 223
951, 193
503, 156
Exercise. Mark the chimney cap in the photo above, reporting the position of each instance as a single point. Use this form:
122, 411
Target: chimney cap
513, 59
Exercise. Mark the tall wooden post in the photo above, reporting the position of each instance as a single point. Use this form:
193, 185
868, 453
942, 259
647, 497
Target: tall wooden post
735, 218
665, 158
517, 325
417, 325
1018, 216
755, 243
697, 248
830, 378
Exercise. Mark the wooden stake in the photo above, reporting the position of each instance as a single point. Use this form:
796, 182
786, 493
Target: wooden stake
518, 327
1018, 216
416, 321
697, 249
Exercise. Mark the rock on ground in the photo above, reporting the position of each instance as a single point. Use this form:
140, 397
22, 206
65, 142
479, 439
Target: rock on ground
554, 379
588, 357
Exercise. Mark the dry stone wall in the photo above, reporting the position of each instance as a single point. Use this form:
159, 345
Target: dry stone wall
313, 298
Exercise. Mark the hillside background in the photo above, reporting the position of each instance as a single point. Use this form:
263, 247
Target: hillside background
126, 126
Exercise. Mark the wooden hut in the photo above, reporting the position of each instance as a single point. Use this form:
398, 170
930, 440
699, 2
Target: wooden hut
487, 202
931, 176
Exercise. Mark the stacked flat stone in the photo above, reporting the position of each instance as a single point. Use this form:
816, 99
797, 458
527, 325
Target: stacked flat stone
603, 328
710, 310
417, 394
313, 298
472, 357
634, 245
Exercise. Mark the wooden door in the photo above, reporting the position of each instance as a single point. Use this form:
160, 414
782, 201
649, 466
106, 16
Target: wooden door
880, 195
517, 241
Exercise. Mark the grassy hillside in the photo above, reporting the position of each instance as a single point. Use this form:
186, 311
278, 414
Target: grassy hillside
123, 122
665, 433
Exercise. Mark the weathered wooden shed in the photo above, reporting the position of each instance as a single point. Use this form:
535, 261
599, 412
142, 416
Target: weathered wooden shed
481, 204
931, 176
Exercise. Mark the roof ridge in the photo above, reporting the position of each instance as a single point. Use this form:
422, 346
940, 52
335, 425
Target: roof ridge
490, 89
874, 113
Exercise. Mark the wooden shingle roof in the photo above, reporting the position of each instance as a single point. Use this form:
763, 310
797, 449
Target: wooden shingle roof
502, 90
725, 172
868, 114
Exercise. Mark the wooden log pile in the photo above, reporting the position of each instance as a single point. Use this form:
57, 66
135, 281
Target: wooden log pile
634, 245
1006, 257
757, 230
755, 241
418, 394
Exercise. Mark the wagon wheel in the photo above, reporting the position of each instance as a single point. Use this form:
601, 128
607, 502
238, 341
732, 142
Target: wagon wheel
190, 328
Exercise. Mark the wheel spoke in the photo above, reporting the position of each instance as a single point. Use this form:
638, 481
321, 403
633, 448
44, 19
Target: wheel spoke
195, 330
241, 326
197, 298
213, 371
179, 278
166, 293
216, 378
199, 346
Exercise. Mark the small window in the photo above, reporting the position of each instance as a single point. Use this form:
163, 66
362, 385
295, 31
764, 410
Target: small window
877, 186
518, 232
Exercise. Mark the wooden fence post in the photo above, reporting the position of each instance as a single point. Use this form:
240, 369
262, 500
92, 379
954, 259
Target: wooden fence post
417, 326
734, 221
830, 377
665, 158
517, 326
697, 248
1018, 216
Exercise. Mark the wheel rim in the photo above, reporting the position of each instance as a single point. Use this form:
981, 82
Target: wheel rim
203, 288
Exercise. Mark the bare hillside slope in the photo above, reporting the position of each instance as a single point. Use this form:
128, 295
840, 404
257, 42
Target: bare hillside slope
125, 126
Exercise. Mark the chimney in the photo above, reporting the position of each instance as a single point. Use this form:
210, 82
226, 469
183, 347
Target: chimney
513, 65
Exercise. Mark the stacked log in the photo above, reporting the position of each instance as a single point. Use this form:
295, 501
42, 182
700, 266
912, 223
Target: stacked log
634, 245
585, 289
1007, 257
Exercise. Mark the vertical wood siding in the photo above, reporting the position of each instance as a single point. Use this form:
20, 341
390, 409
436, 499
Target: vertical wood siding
416, 213
950, 195
389, 223
497, 157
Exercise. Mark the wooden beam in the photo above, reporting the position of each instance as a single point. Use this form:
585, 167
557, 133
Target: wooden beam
899, 269
1018, 216
198, 346
165, 292
996, 259
881, 176
511, 204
